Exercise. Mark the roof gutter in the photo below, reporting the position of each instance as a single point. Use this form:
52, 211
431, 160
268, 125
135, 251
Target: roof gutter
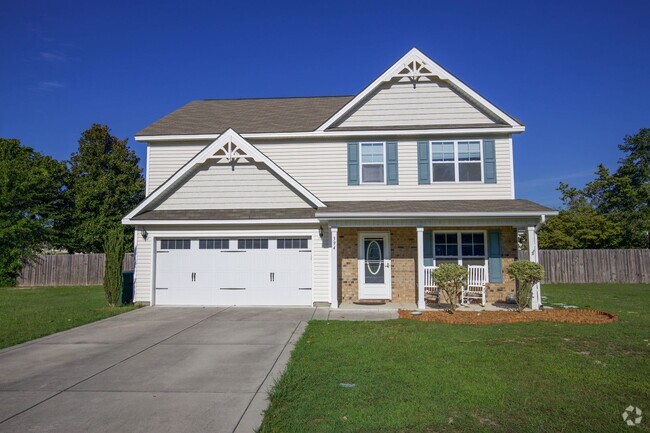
405, 215
329, 134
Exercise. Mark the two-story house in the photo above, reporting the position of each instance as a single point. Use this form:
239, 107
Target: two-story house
330, 200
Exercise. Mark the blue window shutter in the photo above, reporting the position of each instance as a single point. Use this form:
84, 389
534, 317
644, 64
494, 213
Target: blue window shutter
353, 163
489, 162
494, 256
392, 176
423, 163
428, 248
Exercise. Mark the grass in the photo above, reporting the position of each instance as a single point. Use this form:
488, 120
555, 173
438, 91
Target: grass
431, 377
26, 314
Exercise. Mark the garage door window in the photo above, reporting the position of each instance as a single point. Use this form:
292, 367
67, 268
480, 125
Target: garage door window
175, 244
253, 244
214, 244
292, 243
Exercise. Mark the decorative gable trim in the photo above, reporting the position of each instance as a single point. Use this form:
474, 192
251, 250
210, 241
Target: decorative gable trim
229, 147
415, 65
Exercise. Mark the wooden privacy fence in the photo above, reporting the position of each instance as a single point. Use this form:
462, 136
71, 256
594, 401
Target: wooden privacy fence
68, 270
594, 266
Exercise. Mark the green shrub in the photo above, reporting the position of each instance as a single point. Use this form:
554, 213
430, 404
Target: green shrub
114, 247
527, 274
450, 279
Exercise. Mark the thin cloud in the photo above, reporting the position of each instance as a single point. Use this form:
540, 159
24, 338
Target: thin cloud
555, 179
48, 85
52, 56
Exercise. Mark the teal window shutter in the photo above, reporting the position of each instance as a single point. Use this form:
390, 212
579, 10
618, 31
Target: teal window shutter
489, 162
428, 248
423, 163
494, 256
392, 176
353, 163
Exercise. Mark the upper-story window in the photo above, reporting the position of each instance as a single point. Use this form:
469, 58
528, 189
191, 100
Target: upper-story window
373, 163
456, 161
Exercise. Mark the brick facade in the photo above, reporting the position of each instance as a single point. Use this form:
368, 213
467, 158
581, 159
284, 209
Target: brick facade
403, 244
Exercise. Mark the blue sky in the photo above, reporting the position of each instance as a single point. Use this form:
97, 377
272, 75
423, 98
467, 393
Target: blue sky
576, 73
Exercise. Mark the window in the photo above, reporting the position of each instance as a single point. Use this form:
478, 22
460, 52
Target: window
373, 166
214, 244
456, 161
175, 244
472, 249
253, 244
292, 244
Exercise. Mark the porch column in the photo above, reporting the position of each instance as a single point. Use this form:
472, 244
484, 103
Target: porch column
421, 303
533, 252
334, 271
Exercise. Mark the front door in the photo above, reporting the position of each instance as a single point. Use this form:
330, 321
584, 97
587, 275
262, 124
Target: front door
374, 266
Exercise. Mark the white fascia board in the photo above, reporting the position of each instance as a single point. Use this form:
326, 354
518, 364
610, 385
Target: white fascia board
329, 134
131, 222
230, 136
403, 215
436, 69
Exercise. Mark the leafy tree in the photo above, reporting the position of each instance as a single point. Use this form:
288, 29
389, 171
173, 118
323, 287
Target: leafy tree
611, 211
450, 278
31, 187
105, 184
527, 274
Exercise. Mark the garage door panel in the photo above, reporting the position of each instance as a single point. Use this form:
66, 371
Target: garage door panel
254, 276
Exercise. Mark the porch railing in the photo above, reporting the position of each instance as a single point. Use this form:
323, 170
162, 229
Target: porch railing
430, 288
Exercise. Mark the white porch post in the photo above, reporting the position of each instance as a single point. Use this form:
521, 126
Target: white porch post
421, 303
534, 257
334, 271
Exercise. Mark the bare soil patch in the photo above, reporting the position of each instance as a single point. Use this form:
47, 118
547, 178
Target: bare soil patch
595, 317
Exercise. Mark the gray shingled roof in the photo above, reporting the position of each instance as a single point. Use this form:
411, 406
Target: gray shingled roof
434, 206
213, 116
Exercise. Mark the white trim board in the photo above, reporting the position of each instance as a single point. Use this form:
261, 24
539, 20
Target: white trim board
325, 134
233, 146
415, 56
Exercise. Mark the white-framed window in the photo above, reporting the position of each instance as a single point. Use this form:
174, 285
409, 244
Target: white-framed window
456, 161
175, 244
285, 244
214, 244
252, 244
464, 247
373, 162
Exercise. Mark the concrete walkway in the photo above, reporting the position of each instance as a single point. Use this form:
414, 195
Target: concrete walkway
151, 370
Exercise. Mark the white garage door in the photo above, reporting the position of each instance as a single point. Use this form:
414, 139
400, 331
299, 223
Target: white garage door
233, 271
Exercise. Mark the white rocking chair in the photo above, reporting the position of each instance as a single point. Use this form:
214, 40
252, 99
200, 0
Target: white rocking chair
431, 290
476, 285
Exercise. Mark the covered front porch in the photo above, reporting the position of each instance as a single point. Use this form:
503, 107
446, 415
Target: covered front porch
386, 263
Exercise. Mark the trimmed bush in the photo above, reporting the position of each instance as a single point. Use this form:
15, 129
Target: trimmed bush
114, 247
527, 274
450, 279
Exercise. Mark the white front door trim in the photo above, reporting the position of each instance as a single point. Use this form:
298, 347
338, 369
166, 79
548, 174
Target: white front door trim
374, 291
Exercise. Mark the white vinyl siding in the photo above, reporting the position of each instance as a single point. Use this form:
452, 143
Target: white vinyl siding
228, 186
428, 103
320, 253
166, 159
322, 169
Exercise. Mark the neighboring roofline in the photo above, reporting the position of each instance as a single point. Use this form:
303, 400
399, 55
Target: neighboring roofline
436, 69
324, 216
230, 136
133, 222
331, 133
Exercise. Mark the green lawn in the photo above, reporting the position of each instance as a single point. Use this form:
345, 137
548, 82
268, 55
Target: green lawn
26, 314
432, 377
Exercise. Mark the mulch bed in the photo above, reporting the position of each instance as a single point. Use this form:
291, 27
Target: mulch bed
595, 317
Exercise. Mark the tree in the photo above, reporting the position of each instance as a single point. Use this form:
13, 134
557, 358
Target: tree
105, 184
450, 278
527, 274
31, 187
114, 247
611, 211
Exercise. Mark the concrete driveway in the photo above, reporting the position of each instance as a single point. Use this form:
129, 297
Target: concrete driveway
151, 370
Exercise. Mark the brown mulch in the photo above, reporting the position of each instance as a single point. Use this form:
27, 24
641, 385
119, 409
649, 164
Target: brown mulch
595, 317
